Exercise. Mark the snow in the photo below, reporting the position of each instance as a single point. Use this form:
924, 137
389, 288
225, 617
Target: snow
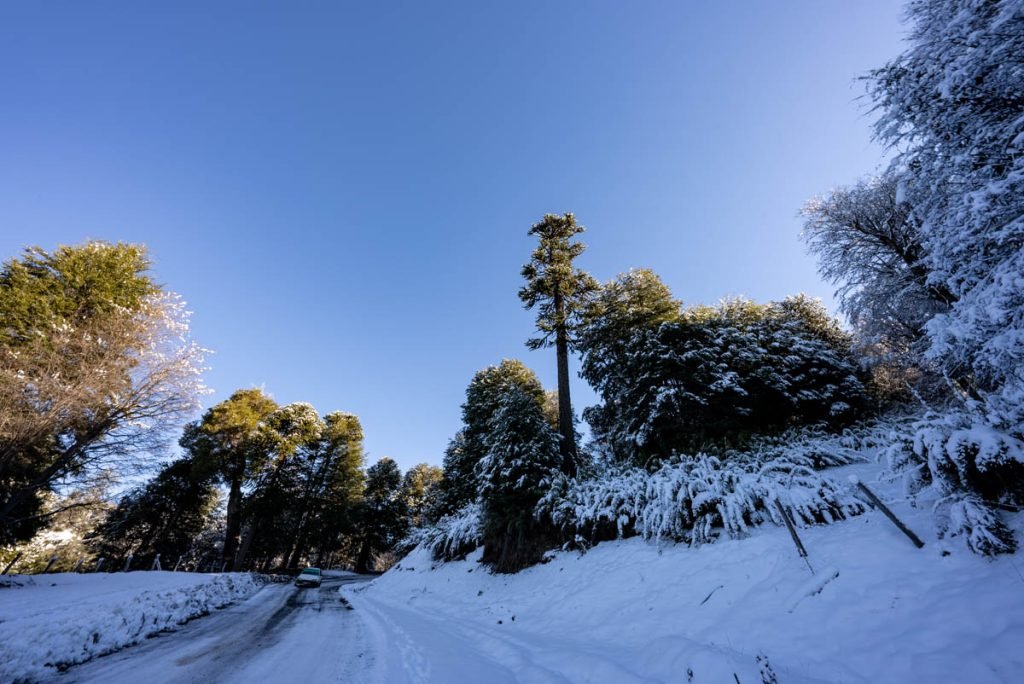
51, 621
878, 610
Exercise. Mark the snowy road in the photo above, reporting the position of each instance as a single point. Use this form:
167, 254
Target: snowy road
282, 634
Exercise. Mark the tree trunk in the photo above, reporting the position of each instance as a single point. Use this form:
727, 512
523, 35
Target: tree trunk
363, 560
567, 446
238, 562
233, 524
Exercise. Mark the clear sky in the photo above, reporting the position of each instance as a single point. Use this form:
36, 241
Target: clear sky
341, 191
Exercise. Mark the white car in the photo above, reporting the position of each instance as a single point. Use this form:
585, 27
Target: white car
310, 577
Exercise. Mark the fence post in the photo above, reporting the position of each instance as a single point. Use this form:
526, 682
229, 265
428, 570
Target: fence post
885, 509
792, 532
99, 564
11, 564
156, 563
53, 559
78, 564
128, 562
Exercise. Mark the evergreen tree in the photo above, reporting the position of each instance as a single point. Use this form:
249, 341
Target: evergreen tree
560, 292
420, 490
383, 516
333, 482
522, 458
623, 307
722, 373
460, 484
286, 439
227, 444
164, 517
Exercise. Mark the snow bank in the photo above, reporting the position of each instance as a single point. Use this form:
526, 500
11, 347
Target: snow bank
51, 621
632, 611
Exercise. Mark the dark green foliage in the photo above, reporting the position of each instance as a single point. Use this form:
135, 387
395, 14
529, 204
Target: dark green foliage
287, 440
295, 478
227, 444
333, 483
420, 489
522, 458
719, 374
559, 291
70, 286
631, 304
382, 515
164, 517
460, 484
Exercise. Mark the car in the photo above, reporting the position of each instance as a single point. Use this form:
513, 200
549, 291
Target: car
310, 577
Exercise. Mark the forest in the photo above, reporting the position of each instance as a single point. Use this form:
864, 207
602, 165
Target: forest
711, 419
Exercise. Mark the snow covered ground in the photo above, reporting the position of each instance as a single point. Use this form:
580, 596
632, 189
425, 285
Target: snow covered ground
630, 611
876, 609
55, 620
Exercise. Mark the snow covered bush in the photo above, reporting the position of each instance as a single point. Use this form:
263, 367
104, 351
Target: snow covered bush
453, 536
966, 469
694, 499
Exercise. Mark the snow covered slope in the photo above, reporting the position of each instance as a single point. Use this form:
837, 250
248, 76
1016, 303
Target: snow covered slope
630, 611
54, 620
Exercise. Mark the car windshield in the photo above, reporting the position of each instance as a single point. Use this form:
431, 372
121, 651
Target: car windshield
311, 571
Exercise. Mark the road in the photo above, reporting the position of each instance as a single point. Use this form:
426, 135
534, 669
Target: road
281, 634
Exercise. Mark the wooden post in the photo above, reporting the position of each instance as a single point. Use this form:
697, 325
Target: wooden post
128, 562
53, 559
99, 564
792, 532
156, 563
78, 564
885, 509
177, 564
11, 564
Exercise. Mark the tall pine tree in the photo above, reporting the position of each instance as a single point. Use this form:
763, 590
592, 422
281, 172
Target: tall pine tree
559, 291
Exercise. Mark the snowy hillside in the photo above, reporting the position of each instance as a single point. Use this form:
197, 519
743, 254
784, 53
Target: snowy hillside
51, 621
631, 611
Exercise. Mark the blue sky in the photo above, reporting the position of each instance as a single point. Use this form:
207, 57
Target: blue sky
342, 191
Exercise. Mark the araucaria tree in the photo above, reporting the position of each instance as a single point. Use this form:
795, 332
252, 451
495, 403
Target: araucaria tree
559, 291
96, 373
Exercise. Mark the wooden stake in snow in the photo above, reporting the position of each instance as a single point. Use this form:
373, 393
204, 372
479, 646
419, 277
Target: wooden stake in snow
128, 562
156, 563
53, 559
78, 564
11, 564
792, 532
885, 509
99, 564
